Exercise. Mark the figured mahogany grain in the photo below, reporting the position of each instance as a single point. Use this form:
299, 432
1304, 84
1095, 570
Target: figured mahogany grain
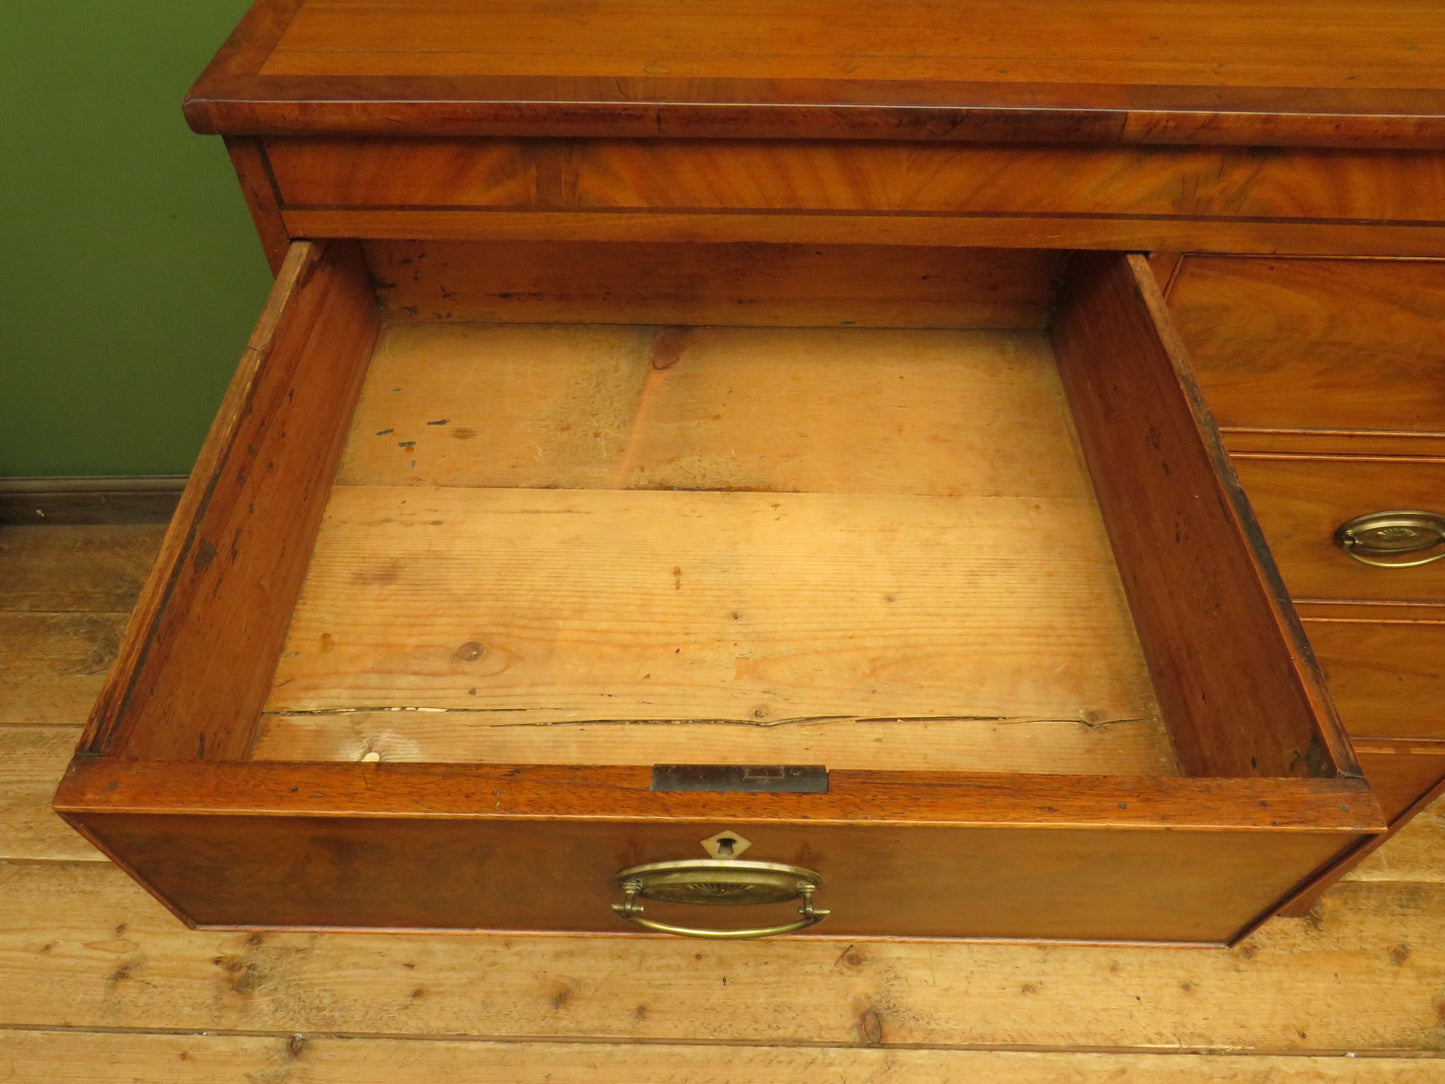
1120, 71
829, 177
1108, 233
1341, 345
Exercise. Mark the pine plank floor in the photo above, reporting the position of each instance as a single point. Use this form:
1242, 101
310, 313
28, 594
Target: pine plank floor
99, 983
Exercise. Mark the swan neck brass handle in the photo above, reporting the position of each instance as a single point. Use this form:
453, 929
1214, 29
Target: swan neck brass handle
1394, 539
727, 882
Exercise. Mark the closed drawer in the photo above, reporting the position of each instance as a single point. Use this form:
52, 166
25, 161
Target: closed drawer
834, 176
1302, 502
964, 620
1406, 775
1386, 673
1318, 355
808, 191
1327, 378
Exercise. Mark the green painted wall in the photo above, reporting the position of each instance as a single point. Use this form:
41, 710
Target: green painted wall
131, 274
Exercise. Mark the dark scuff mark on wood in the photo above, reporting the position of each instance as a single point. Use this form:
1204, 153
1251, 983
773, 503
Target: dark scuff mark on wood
204, 554
670, 344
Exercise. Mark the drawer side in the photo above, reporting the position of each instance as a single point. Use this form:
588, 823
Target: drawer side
1232, 669
197, 655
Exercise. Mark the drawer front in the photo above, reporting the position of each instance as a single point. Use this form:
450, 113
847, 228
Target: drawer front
1300, 503
619, 174
1193, 886
1387, 677
1403, 774
1342, 345
1166, 198
519, 848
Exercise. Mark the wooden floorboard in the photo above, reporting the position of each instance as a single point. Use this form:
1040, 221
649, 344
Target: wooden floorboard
32, 759
82, 946
1415, 853
70, 1057
89, 569
99, 982
65, 593
52, 664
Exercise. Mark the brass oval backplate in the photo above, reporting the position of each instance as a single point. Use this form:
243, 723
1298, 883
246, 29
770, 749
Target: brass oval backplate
1394, 539
714, 882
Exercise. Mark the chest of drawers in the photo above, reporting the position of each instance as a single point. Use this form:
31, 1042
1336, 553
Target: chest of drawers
759, 440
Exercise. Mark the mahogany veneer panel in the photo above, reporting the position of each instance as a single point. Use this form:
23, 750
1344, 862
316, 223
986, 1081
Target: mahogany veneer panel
1301, 501
1339, 345
907, 853
995, 42
1403, 773
1387, 676
1120, 71
1046, 196
615, 175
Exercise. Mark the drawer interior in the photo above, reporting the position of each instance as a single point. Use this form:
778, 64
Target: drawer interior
724, 504
620, 544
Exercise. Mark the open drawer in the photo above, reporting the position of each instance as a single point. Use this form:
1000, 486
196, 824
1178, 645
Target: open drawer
910, 573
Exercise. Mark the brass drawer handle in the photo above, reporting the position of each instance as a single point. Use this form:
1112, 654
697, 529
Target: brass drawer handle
719, 881
1392, 539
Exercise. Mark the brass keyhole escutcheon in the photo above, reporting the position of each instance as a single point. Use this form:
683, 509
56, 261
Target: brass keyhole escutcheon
726, 845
